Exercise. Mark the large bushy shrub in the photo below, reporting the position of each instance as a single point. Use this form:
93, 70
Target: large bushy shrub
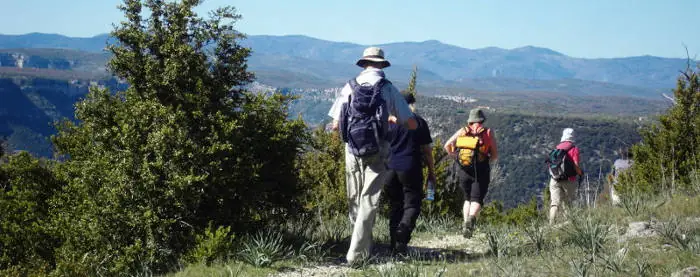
27, 186
322, 174
668, 159
183, 148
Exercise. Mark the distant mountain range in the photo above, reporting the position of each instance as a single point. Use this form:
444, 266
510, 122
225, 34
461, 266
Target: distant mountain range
300, 61
442, 62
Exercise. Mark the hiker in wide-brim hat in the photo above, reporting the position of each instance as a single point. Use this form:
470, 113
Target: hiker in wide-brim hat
366, 156
375, 56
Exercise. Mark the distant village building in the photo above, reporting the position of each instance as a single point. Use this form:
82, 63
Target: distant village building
457, 98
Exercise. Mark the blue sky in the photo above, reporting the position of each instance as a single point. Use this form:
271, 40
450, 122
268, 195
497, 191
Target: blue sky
579, 28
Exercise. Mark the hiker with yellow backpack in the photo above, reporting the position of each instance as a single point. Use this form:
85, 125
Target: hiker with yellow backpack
474, 149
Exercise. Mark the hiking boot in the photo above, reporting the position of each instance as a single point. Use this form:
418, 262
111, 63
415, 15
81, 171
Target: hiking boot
468, 227
466, 230
401, 248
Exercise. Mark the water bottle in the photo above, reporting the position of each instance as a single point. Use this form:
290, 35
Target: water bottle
430, 196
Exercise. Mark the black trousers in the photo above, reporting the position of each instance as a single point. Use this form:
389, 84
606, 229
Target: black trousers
405, 193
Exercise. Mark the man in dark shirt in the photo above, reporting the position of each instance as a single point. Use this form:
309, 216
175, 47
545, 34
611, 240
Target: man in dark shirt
409, 149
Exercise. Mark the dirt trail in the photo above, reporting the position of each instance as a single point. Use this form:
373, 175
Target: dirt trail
441, 247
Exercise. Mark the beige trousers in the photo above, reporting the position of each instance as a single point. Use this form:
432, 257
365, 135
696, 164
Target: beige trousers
365, 180
562, 193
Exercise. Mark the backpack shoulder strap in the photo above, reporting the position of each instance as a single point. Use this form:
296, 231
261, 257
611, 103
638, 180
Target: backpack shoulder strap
353, 87
353, 84
478, 132
380, 84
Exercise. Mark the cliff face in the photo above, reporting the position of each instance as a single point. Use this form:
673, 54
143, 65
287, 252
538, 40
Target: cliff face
20, 60
56, 59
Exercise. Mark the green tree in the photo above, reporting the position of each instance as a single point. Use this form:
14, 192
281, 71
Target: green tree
185, 146
412, 81
667, 158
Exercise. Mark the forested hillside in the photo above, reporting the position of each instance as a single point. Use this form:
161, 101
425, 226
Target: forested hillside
32, 104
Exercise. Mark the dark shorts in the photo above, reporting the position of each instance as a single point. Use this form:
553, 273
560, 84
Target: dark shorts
475, 187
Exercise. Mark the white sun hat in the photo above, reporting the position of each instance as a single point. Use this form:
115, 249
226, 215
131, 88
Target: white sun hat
373, 54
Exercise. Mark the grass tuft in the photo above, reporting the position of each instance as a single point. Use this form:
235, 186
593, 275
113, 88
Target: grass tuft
500, 240
536, 235
264, 248
588, 232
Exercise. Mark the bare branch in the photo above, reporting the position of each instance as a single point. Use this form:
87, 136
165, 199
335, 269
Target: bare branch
669, 98
688, 60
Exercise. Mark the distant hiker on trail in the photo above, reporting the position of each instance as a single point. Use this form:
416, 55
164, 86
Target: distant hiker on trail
619, 166
563, 166
361, 113
473, 147
409, 150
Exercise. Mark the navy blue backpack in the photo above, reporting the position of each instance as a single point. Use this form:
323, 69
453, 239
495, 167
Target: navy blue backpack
362, 117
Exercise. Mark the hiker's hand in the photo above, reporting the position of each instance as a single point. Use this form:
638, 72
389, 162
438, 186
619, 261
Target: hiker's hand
392, 119
334, 126
450, 149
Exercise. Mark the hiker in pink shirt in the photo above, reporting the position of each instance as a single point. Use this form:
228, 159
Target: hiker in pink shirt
563, 192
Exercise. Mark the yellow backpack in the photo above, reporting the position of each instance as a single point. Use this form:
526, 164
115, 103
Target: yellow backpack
468, 147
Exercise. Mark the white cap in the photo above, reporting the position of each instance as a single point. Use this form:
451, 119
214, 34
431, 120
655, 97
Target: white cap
568, 135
